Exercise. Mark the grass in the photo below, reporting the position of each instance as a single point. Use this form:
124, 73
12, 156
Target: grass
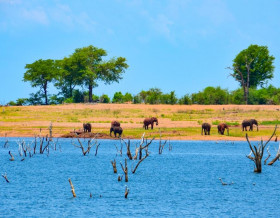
186, 120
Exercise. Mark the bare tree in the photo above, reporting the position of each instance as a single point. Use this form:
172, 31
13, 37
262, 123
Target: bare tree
114, 166
125, 170
161, 145
72, 188
90, 144
258, 152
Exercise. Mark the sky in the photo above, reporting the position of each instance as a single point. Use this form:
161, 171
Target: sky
180, 45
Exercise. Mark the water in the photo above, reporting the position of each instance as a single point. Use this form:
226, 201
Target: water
181, 182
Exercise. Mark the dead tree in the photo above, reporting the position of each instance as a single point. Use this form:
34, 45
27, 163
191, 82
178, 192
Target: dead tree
170, 146
120, 178
6, 144
114, 166
72, 188
125, 170
12, 157
161, 145
126, 192
267, 149
276, 157
258, 152
90, 144
128, 152
146, 146
142, 159
5, 177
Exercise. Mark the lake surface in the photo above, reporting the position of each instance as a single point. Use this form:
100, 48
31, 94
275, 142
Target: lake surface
177, 183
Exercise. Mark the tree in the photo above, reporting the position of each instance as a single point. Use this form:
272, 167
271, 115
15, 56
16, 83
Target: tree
104, 99
118, 97
127, 97
41, 73
69, 76
153, 96
90, 63
252, 67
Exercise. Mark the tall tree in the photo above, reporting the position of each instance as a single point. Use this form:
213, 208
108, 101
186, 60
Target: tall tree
252, 67
40, 74
93, 68
69, 76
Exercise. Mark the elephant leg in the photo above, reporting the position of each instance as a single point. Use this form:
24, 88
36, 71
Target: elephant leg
152, 126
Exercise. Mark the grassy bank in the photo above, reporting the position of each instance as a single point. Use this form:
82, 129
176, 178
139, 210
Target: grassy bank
175, 121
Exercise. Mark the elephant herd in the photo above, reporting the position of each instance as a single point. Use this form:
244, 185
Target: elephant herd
117, 129
206, 127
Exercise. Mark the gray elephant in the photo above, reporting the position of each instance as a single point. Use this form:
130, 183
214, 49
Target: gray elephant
116, 130
250, 123
87, 127
206, 127
150, 121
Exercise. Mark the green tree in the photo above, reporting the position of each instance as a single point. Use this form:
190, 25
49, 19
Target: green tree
186, 99
252, 67
118, 97
69, 76
90, 63
40, 74
127, 97
104, 99
153, 96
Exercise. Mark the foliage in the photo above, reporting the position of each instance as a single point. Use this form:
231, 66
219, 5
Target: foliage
211, 95
118, 97
260, 65
104, 99
127, 97
153, 96
89, 62
186, 99
69, 76
252, 67
40, 74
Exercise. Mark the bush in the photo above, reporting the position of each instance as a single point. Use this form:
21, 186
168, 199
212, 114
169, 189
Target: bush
118, 97
104, 99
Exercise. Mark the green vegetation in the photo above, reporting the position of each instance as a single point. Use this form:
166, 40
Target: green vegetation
252, 67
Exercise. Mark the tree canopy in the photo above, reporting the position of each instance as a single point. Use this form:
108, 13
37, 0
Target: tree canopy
40, 74
252, 67
90, 63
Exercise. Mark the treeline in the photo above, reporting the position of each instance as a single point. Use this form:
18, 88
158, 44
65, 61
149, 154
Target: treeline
208, 96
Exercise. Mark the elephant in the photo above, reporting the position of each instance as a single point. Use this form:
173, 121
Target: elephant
221, 128
250, 123
115, 123
116, 130
150, 121
87, 127
206, 127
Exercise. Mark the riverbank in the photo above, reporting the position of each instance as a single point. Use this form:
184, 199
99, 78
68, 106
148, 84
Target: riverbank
176, 122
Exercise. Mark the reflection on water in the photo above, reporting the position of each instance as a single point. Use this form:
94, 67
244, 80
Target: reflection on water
181, 182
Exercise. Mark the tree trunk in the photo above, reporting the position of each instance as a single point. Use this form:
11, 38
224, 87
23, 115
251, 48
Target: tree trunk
246, 94
45, 92
90, 87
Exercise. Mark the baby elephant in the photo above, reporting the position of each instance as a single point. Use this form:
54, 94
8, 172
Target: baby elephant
222, 127
116, 130
87, 127
206, 127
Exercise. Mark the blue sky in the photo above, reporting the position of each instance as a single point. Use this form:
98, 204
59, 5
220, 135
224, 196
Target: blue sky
181, 45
